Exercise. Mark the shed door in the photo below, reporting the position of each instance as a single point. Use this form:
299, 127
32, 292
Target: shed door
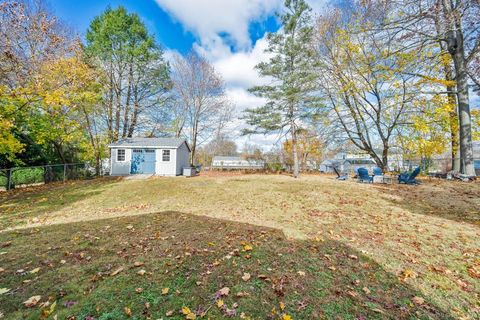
149, 163
143, 161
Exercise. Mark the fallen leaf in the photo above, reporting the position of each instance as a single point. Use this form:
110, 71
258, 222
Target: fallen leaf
418, 300
114, 273
247, 247
138, 290
169, 313
282, 305
35, 270
165, 291
301, 273
474, 271
4, 290
127, 311
246, 276
186, 310
32, 301
141, 272
366, 290
408, 274
138, 264
224, 291
242, 294
191, 316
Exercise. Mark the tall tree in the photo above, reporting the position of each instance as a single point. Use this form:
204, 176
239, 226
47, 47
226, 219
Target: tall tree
199, 92
290, 96
455, 26
366, 82
137, 77
34, 103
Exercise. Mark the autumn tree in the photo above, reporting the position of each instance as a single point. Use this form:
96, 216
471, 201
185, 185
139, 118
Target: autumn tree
29, 38
199, 94
290, 94
137, 77
367, 83
453, 25
43, 82
309, 147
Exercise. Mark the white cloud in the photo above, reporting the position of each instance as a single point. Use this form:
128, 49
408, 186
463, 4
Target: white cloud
238, 69
219, 24
210, 18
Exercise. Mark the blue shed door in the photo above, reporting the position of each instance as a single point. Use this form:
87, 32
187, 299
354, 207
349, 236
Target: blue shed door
149, 163
143, 161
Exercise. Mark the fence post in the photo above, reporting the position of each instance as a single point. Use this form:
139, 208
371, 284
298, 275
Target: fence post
64, 172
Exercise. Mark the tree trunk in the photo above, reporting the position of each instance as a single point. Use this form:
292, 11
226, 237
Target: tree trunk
457, 52
126, 113
454, 130
295, 152
466, 149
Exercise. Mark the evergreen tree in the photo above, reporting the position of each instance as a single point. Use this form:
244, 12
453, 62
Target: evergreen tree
291, 99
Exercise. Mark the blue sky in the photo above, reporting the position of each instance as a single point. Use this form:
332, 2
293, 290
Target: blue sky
169, 31
228, 33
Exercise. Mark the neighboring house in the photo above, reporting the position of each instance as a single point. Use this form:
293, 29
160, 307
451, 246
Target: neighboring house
347, 163
160, 156
224, 162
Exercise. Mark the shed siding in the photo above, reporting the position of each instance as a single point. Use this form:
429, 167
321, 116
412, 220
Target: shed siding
123, 167
166, 168
183, 158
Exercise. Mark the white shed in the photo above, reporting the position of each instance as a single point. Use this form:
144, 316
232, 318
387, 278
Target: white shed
160, 156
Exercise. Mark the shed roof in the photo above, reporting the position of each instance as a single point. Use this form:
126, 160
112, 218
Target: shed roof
149, 142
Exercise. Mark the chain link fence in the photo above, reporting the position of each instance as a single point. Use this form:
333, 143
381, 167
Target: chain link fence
29, 176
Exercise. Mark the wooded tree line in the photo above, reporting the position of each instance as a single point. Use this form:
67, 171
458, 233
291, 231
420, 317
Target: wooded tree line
383, 75
63, 100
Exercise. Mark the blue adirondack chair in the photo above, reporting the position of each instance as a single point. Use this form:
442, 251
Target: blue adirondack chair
377, 171
409, 178
363, 175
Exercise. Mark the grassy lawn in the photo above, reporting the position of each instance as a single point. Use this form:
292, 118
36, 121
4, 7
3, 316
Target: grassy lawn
319, 247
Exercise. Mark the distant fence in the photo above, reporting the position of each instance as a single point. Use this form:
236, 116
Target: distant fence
27, 176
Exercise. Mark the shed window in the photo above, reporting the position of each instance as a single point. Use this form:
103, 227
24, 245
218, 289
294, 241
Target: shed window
121, 155
149, 150
165, 155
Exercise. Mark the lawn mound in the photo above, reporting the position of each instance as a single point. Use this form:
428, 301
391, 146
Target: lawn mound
173, 265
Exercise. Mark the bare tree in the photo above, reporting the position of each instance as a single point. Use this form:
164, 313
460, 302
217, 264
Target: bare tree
454, 25
202, 106
363, 87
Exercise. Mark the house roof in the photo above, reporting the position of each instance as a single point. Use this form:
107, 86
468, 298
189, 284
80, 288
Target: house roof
233, 158
227, 158
149, 143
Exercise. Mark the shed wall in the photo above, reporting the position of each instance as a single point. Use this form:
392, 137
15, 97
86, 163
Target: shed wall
123, 167
166, 168
183, 158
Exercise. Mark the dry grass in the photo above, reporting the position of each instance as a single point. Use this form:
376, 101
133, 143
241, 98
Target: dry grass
428, 236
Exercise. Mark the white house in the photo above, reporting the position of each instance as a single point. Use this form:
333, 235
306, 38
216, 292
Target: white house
160, 156
227, 162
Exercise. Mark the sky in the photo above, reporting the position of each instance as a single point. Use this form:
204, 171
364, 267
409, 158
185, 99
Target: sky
229, 33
